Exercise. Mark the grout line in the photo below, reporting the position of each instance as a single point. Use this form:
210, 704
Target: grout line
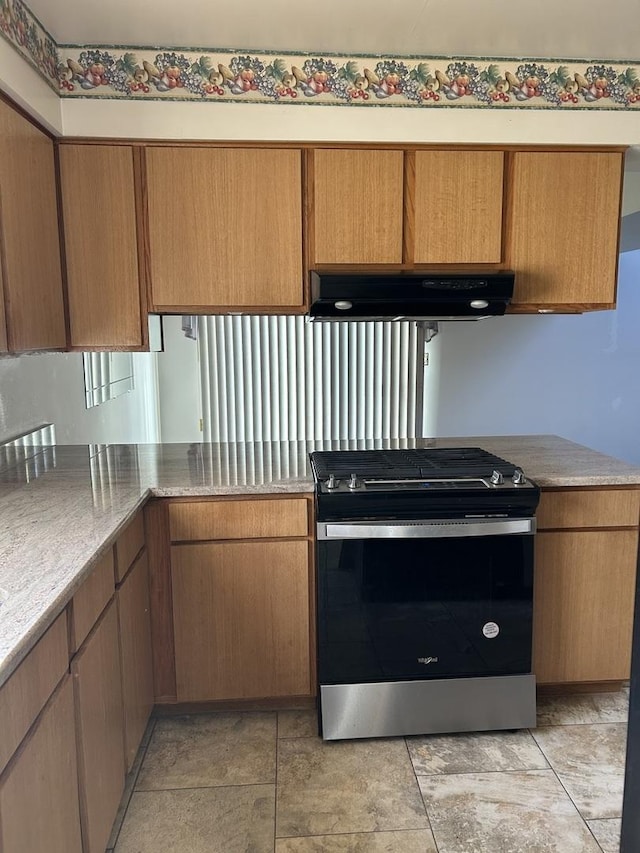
352, 832
130, 783
424, 805
201, 788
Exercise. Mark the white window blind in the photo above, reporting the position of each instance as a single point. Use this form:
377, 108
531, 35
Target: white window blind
284, 379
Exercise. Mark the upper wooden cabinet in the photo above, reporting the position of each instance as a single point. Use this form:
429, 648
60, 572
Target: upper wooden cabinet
225, 228
356, 206
456, 212
29, 238
563, 227
100, 233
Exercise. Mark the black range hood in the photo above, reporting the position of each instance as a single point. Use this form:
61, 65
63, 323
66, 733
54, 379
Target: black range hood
410, 296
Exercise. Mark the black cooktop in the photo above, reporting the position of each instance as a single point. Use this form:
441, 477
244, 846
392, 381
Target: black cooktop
422, 463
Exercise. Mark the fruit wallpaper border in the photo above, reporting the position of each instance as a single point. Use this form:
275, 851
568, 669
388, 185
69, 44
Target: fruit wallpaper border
210, 75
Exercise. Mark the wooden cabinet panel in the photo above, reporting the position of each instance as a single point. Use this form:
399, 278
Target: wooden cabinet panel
583, 605
241, 620
246, 519
23, 696
564, 223
357, 201
91, 598
29, 236
135, 649
128, 545
225, 227
4, 342
601, 508
458, 207
96, 671
99, 207
39, 792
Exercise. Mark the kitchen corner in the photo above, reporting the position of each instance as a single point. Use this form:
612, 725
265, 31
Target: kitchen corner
57, 525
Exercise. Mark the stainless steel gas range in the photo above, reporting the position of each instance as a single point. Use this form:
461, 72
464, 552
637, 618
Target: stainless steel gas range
425, 592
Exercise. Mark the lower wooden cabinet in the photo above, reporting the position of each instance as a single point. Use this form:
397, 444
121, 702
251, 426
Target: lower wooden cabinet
135, 648
241, 619
96, 672
583, 605
39, 791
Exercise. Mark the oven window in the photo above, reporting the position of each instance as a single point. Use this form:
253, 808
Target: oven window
427, 608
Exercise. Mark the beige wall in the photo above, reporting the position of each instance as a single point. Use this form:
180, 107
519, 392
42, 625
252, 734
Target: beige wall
22, 83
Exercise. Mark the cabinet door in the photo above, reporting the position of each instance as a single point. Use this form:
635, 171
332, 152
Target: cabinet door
357, 199
99, 207
564, 224
96, 670
457, 215
583, 605
225, 227
29, 237
4, 342
39, 792
135, 649
241, 620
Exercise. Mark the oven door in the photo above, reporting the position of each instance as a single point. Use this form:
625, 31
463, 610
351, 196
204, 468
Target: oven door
417, 600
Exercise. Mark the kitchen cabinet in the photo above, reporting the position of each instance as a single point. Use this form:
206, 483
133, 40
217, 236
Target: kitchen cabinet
455, 215
421, 207
98, 688
585, 576
39, 791
225, 229
357, 206
29, 238
97, 184
563, 227
241, 620
232, 599
136, 658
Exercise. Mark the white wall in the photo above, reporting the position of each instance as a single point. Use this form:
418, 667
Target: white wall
577, 376
23, 83
97, 117
49, 388
180, 406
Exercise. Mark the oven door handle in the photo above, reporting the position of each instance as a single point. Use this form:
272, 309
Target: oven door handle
432, 529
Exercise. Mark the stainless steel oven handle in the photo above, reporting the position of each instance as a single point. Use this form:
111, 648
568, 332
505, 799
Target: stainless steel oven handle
433, 529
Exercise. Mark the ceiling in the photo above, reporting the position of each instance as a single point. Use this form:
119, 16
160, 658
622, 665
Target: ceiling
571, 29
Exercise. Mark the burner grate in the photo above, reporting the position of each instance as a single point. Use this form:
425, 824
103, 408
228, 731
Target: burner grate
464, 462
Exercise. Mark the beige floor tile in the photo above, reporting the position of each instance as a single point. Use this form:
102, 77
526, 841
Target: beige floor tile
607, 833
583, 708
297, 723
346, 787
524, 812
203, 820
589, 761
474, 753
402, 841
210, 750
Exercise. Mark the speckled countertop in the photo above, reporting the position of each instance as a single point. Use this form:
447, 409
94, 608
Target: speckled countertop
63, 506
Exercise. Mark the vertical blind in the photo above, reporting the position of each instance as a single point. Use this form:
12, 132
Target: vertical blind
285, 379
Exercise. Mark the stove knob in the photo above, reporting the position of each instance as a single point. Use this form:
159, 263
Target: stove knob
353, 483
332, 483
496, 478
518, 478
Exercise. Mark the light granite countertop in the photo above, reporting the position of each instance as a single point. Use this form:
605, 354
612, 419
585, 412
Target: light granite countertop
62, 506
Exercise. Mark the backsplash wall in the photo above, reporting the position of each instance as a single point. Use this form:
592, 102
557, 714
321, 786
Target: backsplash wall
49, 388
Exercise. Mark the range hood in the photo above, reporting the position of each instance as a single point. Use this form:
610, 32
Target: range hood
409, 296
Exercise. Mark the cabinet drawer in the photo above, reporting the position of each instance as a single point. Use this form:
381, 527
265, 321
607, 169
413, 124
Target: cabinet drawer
600, 508
91, 599
129, 545
238, 519
25, 693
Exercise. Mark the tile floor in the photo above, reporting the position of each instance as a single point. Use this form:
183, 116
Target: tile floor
263, 782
